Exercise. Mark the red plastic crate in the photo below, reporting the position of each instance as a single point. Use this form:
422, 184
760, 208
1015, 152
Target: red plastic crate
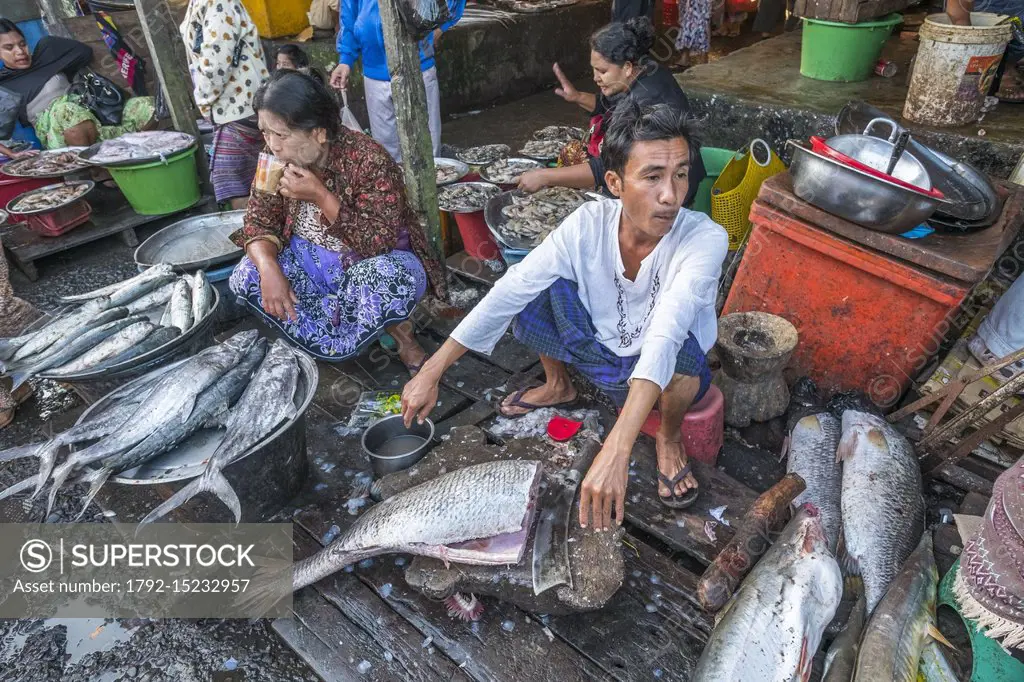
11, 187
867, 321
64, 219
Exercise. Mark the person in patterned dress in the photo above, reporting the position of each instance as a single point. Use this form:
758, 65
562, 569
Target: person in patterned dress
335, 256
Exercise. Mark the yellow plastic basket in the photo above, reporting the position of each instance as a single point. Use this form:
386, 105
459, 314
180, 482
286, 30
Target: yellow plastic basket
736, 188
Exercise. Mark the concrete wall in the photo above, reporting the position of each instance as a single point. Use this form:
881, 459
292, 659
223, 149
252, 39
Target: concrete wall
482, 64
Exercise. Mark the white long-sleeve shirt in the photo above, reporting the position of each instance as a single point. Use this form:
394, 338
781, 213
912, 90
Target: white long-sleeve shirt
673, 293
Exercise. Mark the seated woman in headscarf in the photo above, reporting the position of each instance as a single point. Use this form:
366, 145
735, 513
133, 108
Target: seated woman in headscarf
42, 78
620, 58
335, 256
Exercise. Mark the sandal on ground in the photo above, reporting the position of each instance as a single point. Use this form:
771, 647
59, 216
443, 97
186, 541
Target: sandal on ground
517, 401
415, 369
1012, 93
674, 499
982, 354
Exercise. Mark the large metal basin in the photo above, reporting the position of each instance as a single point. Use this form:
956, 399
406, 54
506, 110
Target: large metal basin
265, 478
195, 243
856, 196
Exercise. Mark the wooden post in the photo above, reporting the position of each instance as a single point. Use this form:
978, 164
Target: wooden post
410, 98
53, 18
167, 54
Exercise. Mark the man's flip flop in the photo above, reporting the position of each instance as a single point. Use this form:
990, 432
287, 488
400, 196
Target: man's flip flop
517, 401
415, 369
675, 500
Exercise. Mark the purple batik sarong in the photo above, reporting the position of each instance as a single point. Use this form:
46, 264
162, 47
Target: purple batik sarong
341, 309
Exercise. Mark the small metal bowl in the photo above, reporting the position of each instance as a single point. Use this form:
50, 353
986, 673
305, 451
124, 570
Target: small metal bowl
391, 447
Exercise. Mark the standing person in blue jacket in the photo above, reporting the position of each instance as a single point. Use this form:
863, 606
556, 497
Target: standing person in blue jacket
361, 35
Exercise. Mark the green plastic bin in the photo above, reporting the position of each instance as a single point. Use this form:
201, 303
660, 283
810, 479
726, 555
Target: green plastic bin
160, 187
714, 159
832, 51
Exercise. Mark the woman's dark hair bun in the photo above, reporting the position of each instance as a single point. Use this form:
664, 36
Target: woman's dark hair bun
643, 29
620, 42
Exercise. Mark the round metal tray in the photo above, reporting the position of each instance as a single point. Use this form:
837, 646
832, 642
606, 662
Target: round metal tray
496, 220
3, 217
481, 184
153, 357
194, 243
10, 168
49, 188
473, 162
87, 154
188, 459
459, 166
523, 159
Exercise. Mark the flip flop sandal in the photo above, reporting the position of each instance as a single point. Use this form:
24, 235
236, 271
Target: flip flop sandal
675, 500
517, 401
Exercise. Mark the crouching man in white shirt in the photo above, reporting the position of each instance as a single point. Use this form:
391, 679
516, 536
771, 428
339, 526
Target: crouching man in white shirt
624, 291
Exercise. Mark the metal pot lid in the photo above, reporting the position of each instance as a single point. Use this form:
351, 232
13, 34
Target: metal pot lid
971, 194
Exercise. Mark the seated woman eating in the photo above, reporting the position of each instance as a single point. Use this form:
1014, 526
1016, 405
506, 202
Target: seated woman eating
42, 78
335, 256
625, 292
620, 58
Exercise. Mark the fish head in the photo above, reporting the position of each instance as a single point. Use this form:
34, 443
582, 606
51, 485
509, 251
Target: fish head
809, 532
242, 341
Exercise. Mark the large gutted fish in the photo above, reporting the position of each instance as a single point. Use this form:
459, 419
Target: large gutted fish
158, 338
898, 629
267, 401
771, 629
480, 515
24, 346
883, 512
108, 348
152, 299
812, 455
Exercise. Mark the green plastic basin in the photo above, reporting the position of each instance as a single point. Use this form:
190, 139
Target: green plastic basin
714, 159
833, 51
160, 187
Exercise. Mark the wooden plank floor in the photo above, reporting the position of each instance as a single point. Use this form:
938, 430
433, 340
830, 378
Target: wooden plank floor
365, 623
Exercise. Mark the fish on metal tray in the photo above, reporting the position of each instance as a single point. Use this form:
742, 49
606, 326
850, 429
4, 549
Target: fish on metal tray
114, 345
772, 627
160, 337
153, 272
268, 401
481, 514
135, 291
24, 346
561, 133
812, 454
107, 323
152, 299
508, 171
202, 297
543, 149
466, 196
181, 306
173, 398
901, 623
211, 405
883, 511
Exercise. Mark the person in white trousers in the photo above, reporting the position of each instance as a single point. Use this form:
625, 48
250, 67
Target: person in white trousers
362, 37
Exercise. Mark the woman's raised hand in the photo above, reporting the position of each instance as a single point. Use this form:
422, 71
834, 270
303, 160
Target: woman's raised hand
302, 184
566, 89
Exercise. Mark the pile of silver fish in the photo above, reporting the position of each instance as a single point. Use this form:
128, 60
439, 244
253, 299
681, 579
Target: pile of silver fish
447, 174
773, 626
533, 217
481, 156
466, 197
111, 326
543, 149
863, 477
49, 198
479, 515
508, 171
238, 384
559, 133
142, 145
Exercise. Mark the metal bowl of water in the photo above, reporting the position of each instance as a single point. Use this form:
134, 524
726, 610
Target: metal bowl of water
391, 447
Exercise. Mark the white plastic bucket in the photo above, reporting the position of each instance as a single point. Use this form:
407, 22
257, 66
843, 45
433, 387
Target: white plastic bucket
954, 68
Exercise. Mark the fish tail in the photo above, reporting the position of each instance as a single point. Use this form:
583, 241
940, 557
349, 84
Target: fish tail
60, 475
19, 377
7, 349
47, 459
95, 479
20, 452
211, 481
269, 585
18, 487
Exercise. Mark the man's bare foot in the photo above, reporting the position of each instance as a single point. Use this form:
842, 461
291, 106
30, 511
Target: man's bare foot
671, 460
550, 394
